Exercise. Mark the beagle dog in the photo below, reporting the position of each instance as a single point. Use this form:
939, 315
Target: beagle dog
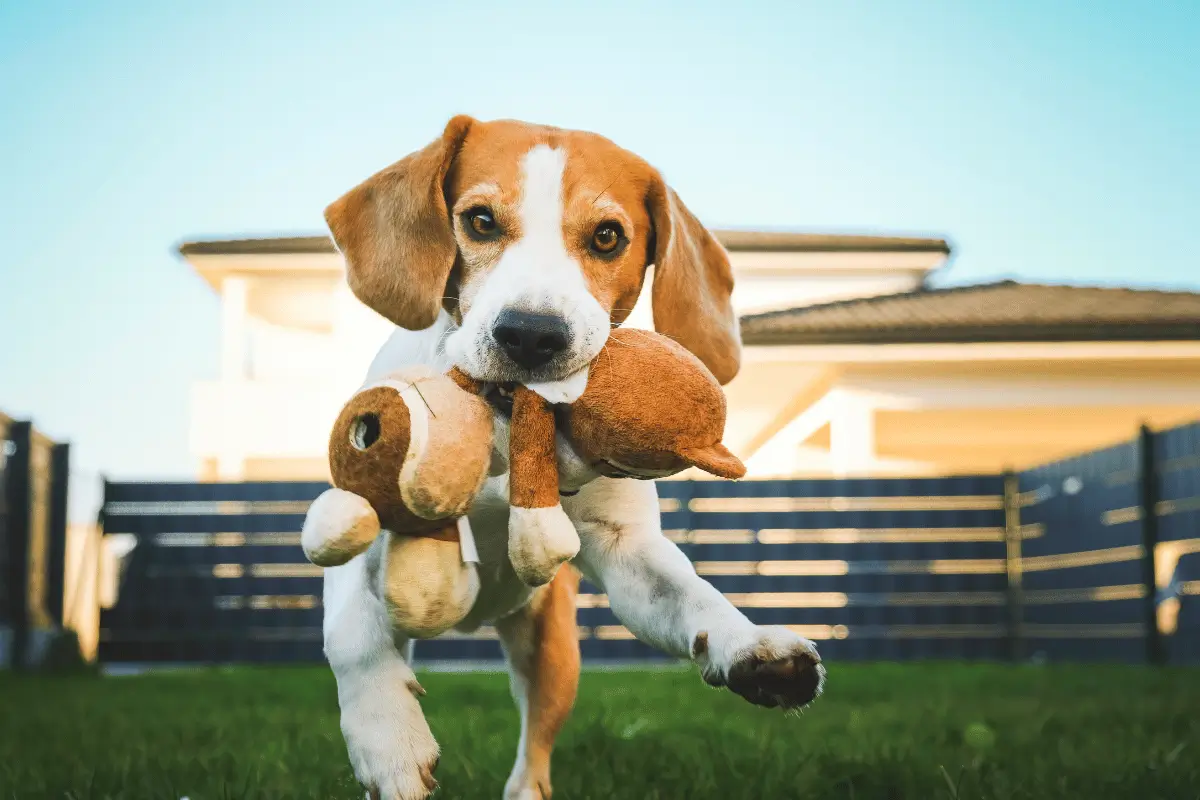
511, 250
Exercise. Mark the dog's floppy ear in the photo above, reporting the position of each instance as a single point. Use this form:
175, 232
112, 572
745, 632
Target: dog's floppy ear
395, 233
693, 284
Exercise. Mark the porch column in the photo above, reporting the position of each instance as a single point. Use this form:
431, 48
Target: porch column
235, 290
234, 317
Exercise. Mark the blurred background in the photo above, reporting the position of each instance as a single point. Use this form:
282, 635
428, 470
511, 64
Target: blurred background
964, 244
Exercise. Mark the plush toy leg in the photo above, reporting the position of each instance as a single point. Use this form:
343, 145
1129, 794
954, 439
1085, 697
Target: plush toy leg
425, 584
540, 540
339, 525
540, 537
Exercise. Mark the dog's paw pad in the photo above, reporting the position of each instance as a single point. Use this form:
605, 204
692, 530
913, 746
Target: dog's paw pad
790, 681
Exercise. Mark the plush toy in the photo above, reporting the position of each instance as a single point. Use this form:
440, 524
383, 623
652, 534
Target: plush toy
650, 409
407, 456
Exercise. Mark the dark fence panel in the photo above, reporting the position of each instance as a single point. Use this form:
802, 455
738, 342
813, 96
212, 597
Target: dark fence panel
56, 555
1082, 573
1177, 553
33, 528
870, 568
18, 495
217, 574
7, 450
1091, 558
1115, 574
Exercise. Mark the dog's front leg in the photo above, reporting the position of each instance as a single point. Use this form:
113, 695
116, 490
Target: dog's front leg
654, 590
391, 748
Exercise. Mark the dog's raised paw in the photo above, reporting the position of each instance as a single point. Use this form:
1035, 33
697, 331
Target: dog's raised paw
787, 682
777, 669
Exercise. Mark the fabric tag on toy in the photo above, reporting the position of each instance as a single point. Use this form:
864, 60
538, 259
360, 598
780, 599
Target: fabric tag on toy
466, 542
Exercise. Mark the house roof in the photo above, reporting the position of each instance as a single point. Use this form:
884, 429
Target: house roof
1006, 311
276, 245
735, 240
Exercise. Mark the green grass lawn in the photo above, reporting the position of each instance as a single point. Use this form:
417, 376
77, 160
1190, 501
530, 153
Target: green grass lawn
881, 731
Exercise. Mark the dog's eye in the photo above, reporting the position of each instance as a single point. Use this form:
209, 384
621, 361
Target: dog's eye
481, 224
607, 238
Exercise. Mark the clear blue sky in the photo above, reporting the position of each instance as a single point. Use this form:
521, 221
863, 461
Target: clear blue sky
1048, 141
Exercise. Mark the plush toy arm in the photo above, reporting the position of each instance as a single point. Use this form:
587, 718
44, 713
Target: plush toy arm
339, 525
540, 537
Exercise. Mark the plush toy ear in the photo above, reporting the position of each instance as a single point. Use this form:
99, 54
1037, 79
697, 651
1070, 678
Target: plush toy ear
339, 525
693, 285
716, 460
394, 230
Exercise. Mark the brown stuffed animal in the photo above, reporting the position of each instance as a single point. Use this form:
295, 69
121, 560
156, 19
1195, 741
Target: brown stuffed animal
407, 456
650, 409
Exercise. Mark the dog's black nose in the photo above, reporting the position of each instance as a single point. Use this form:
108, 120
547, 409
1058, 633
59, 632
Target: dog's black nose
530, 340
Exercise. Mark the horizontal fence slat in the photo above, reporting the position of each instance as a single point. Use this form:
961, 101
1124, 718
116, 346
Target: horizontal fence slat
183, 492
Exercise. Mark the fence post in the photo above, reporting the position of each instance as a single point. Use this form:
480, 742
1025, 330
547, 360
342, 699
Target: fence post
1148, 479
56, 561
1012, 567
18, 496
99, 569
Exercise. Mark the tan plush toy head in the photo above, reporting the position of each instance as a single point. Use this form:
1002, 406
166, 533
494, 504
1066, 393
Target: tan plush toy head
415, 446
407, 454
650, 409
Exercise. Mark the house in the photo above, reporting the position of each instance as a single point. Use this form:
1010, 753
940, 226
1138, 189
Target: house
970, 379
853, 364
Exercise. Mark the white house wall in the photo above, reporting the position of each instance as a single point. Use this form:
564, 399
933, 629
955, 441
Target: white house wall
923, 418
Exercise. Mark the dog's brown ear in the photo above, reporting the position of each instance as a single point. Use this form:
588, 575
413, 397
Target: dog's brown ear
693, 284
395, 233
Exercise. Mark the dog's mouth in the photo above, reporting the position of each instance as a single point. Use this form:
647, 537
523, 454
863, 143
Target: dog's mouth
500, 397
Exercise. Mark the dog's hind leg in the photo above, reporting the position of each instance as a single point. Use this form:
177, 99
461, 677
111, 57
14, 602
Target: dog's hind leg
541, 643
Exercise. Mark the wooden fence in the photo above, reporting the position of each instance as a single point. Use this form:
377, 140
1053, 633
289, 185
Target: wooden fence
33, 535
1115, 574
1052, 562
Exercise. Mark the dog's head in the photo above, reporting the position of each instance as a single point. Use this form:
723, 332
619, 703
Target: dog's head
536, 240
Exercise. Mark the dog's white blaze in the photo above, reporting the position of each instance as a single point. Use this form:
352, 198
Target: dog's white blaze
541, 195
536, 273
